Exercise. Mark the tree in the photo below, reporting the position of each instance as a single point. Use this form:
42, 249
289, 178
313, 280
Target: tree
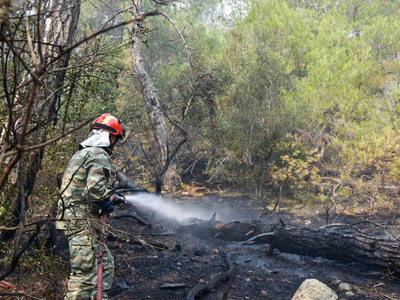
36, 45
155, 110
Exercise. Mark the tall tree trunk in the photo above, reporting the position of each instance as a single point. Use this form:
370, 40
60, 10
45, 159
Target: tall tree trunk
59, 24
153, 106
59, 30
59, 27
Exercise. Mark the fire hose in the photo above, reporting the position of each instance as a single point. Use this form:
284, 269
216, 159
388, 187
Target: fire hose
120, 199
100, 260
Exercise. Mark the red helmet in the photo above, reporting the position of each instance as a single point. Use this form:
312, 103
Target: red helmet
109, 123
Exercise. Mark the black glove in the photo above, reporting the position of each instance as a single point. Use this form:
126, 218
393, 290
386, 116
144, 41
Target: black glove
104, 207
120, 199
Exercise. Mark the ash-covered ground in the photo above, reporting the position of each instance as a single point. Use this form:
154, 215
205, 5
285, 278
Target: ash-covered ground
142, 270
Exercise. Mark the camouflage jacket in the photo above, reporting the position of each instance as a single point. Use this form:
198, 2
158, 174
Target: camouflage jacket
86, 180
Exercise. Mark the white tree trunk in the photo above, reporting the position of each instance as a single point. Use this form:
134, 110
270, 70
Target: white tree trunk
59, 28
59, 20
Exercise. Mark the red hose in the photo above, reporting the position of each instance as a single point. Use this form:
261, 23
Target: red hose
100, 260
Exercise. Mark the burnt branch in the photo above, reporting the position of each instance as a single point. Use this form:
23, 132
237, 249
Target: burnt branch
216, 279
132, 216
20, 295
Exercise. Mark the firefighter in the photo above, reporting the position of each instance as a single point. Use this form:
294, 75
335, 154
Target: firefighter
86, 194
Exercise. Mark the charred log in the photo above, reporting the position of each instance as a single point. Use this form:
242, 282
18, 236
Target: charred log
125, 184
335, 244
382, 254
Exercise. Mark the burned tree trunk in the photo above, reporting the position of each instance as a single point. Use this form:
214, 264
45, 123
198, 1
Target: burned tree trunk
345, 245
153, 105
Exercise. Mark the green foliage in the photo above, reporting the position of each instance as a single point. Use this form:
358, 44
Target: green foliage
296, 166
257, 74
45, 265
326, 73
6, 253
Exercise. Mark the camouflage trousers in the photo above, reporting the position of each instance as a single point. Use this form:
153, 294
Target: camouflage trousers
84, 251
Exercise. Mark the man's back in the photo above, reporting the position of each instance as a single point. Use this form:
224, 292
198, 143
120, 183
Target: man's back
87, 179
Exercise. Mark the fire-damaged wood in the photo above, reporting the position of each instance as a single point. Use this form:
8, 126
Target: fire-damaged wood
216, 279
236, 230
124, 183
383, 254
136, 241
132, 216
173, 286
342, 244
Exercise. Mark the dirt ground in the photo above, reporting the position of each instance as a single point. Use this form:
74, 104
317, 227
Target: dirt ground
141, 271
188, 260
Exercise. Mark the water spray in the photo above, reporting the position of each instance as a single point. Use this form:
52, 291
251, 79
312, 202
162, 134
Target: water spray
165, 207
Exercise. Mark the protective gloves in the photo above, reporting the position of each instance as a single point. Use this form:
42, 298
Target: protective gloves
104, 207
108, 206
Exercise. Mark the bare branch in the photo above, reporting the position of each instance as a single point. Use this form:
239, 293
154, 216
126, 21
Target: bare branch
28, 36
258, 236
17, 256
189, 54
35, 42
115, 15
72, 67
33, 147
172, 155
219, 167
21, 141
147, 157
141, 17
12, 48
352, 226
195, 162
3, 228
18, 87
21, 227
38, 33
164, 2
